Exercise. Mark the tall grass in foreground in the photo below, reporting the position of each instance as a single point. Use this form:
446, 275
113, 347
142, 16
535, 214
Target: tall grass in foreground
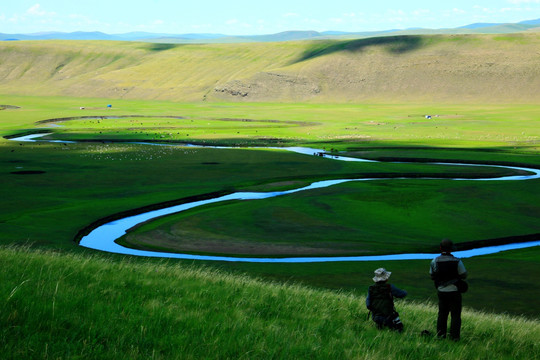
93, 307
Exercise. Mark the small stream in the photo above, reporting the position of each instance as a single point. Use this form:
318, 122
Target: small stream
103, 237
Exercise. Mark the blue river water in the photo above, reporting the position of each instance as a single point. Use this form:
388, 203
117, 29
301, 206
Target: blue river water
103, 238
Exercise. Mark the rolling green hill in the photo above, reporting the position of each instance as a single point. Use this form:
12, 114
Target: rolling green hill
66, 306
438, 68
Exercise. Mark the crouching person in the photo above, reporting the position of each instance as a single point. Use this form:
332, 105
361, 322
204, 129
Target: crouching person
380, 301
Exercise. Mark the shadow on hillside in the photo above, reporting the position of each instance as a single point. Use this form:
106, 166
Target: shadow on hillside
392, 44
160, 47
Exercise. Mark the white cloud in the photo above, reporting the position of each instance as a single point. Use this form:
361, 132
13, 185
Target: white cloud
237, 24
78, 17
485, 9
421, 12
336, 20
200, 26
82, 22
15, 19
524, 1
36, 10
312, 21
290, 14
396, 12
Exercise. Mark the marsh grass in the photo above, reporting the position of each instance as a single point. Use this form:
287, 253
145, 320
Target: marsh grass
93, 307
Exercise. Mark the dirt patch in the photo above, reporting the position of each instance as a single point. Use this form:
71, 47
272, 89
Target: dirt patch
270, 84
178, 243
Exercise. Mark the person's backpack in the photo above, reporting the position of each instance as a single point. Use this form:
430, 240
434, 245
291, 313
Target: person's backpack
447, 274
382, 301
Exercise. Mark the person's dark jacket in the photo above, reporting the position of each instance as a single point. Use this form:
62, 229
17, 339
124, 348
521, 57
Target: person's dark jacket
445, 270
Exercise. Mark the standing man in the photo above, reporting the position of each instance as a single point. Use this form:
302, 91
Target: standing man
446, 270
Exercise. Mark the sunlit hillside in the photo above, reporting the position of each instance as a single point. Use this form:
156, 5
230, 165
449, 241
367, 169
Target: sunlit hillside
476, 68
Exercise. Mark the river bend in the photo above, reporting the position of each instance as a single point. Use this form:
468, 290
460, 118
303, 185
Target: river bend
103, 237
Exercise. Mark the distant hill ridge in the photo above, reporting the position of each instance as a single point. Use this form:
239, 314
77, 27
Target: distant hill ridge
476, 28
447, 68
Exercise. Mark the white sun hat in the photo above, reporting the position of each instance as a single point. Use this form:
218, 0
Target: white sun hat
381, 275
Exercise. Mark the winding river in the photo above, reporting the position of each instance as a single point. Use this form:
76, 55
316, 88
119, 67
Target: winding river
103, 237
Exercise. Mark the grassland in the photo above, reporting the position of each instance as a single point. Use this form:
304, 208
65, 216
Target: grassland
79, 184
505, 126
437, 68
357, 218
59, 302
94, 307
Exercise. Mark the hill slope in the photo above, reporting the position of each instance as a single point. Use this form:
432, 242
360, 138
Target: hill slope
77, 306
492, 68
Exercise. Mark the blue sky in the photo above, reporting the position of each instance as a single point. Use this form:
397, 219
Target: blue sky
240, 17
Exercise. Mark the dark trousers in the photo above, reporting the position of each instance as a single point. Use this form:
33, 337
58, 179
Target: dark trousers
393, 322
449, 303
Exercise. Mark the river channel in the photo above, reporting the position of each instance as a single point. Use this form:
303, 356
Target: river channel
103, 237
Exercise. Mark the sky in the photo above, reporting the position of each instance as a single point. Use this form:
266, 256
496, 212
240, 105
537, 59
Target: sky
249, 17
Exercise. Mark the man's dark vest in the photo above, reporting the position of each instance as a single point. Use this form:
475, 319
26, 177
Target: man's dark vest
382, 301
447, 270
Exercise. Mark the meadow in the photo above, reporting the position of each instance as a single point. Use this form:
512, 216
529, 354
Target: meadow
59, 298
59, 305
75, 185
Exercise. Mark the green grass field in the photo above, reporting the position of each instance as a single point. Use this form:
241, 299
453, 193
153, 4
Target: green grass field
76, 185
58, 305
342, 126
357, 218
59, 298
